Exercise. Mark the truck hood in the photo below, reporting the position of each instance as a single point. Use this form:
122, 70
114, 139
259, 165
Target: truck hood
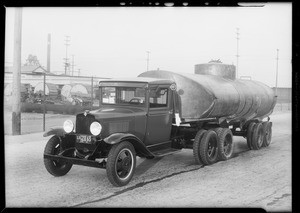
125, 120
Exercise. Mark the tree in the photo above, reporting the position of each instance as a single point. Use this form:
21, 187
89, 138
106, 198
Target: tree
32, 61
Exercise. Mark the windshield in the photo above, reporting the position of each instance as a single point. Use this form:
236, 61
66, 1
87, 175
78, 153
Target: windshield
123, 95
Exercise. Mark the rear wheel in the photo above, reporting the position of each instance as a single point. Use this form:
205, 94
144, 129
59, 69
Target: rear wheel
209, 147
121, 163
196, 146
267, 132
249, 134
55, 167
225, 143
257, 137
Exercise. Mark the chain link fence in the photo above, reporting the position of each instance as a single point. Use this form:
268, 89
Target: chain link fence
48, 101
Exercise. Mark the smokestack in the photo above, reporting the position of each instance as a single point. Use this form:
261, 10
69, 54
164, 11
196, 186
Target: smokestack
48, 52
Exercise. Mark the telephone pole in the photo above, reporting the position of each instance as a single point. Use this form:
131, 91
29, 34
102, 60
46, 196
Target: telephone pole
73, 65
148, 60
276, 71
48, 52
16, 93
237, 52
67, 64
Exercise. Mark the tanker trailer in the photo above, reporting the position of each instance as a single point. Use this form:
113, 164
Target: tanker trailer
159, 113
214, 100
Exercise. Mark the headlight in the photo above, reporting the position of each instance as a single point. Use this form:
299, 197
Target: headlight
95, 128
68, 126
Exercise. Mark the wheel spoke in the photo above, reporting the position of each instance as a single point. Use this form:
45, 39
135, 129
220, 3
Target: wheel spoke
122, 155
211, 151
123, 173
119, 166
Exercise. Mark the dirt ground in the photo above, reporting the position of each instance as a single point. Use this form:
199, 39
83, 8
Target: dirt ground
252, 178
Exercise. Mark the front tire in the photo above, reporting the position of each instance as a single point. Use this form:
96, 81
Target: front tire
121, 163
55, 167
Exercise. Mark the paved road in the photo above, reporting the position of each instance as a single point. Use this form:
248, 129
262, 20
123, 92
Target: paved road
250, 179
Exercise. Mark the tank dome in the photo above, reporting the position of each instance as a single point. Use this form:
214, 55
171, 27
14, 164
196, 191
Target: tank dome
216, 68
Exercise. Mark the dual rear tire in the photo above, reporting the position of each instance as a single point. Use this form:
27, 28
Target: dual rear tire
213, 145
259, 135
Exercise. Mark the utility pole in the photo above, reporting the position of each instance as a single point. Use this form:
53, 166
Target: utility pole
276, 71
16, 93
67, 40
237, 52
73, 65
148, 60
48, 52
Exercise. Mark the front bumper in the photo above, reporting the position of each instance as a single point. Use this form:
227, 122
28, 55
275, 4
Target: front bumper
66, 157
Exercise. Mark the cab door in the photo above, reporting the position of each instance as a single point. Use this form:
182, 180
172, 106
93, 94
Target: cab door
160, 113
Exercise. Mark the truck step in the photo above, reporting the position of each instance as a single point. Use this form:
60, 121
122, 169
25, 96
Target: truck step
164, 152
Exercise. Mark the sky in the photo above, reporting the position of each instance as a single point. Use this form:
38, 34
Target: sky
113, 41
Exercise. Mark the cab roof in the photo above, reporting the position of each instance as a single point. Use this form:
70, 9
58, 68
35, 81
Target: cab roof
138, 80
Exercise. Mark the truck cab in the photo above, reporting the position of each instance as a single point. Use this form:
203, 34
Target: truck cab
142, 107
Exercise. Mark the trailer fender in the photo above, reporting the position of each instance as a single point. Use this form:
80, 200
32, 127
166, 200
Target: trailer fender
139, 147
55, 131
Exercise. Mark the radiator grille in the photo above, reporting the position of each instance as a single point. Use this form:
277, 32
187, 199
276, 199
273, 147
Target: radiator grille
83, 123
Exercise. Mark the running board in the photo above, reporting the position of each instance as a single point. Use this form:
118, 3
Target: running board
164, 152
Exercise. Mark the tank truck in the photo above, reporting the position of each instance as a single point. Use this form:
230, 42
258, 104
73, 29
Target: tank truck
160, 113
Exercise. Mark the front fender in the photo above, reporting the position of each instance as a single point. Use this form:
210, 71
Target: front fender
55, 131
118, 137
139, 146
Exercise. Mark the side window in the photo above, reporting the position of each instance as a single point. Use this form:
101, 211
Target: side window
158, 97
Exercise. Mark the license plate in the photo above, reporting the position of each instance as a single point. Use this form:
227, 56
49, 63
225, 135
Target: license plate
84, 139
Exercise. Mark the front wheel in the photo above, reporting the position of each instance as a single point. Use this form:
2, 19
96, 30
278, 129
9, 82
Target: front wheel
121, 163
55, 167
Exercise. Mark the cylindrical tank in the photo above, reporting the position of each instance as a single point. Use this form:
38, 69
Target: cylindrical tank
66, 93
50, 89
9, 87
81, 90
212, 96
